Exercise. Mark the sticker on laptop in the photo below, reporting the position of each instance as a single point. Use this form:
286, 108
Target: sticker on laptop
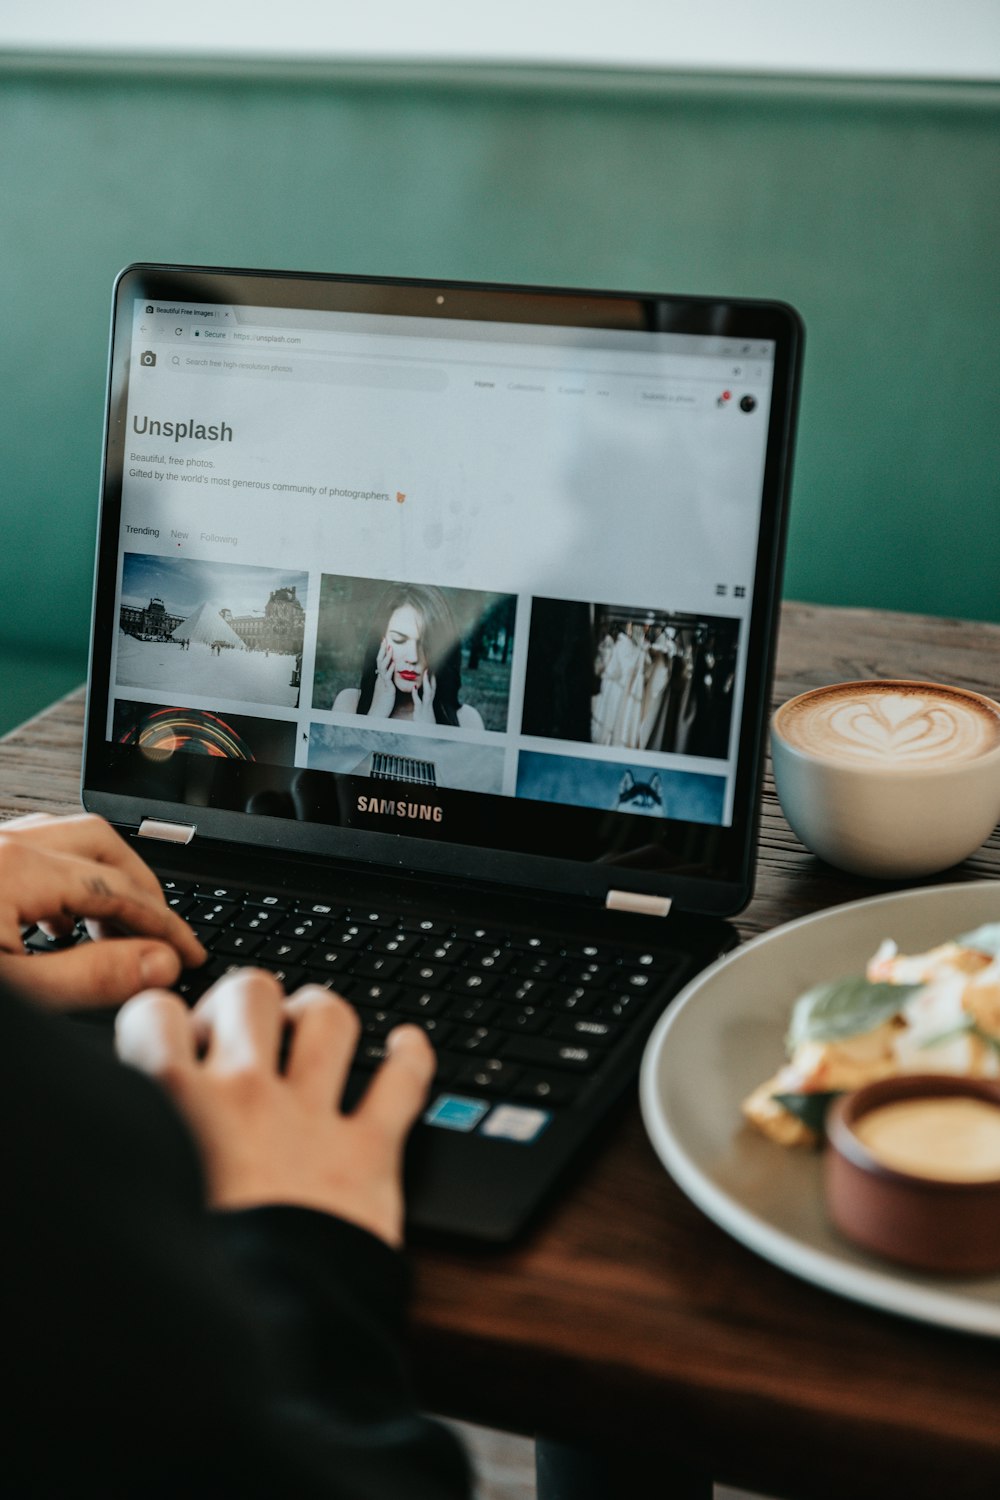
512, 1122
452, 1112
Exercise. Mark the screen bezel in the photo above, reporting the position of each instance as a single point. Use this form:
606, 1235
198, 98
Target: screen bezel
702, 867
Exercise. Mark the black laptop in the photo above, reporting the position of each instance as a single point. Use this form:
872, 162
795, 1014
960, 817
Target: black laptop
432, 643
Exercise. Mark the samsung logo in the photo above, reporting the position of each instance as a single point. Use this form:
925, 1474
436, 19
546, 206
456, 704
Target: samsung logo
425, 812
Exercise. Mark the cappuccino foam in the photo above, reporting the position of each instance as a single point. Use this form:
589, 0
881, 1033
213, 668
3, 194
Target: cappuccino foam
897, 724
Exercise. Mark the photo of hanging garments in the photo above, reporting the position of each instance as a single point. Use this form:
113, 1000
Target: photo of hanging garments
656, 680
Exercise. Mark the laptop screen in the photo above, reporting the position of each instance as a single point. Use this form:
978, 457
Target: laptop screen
468, 566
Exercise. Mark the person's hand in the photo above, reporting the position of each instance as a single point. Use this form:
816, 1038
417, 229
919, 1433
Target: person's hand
55, 871
270, 1137
384, 695
423, 701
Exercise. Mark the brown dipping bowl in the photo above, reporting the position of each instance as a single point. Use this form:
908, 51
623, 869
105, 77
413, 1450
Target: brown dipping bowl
918, 1221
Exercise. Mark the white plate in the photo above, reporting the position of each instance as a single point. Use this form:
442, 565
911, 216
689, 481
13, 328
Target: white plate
724, 1035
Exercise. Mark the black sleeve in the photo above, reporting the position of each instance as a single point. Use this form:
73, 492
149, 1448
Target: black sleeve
158, 1350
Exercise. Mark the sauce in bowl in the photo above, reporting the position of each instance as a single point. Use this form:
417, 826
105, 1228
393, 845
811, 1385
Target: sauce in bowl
950, 1139
912, 1171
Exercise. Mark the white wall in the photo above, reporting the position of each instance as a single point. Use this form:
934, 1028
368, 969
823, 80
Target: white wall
957, 39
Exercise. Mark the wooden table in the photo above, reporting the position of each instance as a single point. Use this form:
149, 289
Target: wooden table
628, 1319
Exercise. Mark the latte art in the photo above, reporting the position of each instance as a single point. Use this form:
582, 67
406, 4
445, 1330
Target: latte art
892, 724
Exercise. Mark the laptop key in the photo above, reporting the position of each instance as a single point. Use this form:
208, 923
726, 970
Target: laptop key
325, 981
36, 941
349, 988
439, 1031
192, 984
547, 1053
338, 960
377, 1023
180, 904
400, 943
598, 953
319, 909
477, 1039
580, 1000
489, 1075
515, 990
218, 968
492, 961
349, 936
258, 919
525, 1019
369, 1055
217, 913
310, 928
429, 976
236, 944
541, 966
205, 933
281, 951
444, 950
373, 992
477, 1012
545, 1088
289, 978
585, 1030
423, 1002
425, 925
464, 983
595, 976
447, 1070
615, 1007
377, 966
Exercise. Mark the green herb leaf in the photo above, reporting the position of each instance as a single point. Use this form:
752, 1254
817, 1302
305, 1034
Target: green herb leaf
962, 1029
811, 1109
845, 1008
986, 1036
985, 939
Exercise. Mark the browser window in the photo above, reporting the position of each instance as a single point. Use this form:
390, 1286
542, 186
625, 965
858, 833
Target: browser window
433, 551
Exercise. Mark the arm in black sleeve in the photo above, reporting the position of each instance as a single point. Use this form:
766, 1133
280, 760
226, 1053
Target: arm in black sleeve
162, 1351
334, 1299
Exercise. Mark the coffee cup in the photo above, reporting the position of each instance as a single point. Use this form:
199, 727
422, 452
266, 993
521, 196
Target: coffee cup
889, 778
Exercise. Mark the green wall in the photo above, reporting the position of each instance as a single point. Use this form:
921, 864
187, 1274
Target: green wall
874, 208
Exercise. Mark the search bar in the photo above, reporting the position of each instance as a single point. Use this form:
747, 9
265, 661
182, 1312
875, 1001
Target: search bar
365, 375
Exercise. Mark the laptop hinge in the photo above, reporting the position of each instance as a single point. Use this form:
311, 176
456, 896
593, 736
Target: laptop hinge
636, 902
169, 833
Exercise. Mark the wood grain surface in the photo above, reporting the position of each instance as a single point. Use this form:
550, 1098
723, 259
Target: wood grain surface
627, 1319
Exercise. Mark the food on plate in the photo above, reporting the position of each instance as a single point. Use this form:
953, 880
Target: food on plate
933, 1012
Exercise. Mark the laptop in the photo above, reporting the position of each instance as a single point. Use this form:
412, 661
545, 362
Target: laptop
432, 642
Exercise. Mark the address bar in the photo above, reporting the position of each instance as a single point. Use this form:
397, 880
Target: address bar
275, 365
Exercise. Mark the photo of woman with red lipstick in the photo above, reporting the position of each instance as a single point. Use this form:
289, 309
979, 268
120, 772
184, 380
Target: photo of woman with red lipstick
412, 668
417, 651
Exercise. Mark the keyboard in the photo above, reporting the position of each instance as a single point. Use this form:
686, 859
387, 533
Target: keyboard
512, 1015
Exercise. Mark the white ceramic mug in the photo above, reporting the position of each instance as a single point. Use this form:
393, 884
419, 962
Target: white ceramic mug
889, 778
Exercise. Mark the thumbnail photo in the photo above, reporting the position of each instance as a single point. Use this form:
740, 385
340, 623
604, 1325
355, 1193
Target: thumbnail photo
161, 731
686, 795
410, 651
215, 630
640, 679
418, 759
